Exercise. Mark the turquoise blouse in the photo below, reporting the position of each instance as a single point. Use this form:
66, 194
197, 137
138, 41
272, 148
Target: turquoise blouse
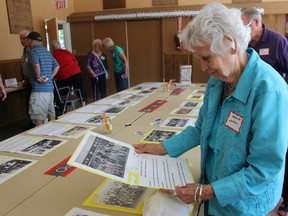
118, 64
248, 155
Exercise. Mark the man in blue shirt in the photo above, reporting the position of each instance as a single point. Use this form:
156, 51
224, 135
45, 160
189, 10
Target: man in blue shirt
41, 69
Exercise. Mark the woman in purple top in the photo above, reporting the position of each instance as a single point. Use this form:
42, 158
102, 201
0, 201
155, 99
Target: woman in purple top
98, 68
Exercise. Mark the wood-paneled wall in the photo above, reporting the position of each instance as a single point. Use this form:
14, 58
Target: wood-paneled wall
155, 44
11, 69
14, 108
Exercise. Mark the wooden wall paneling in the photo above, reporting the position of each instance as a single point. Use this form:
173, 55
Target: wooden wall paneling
116, 30
169, 31
170, 65
276, 22
11, 69
198, 76
81, 37
173, 63
82, 61
173, 58
145, 51
14, 107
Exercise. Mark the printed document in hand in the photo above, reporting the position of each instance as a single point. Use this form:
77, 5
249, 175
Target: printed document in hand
119, 161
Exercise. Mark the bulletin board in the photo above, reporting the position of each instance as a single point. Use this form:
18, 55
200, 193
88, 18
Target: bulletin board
19, 15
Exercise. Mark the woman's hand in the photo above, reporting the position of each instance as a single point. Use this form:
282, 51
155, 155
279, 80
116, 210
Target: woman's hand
156, 149
126, 75
94, 75
191, 192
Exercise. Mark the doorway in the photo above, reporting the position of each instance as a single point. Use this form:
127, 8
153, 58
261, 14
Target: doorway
58, 30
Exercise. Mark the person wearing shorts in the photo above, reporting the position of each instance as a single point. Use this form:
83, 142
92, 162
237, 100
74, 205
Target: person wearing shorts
41, 69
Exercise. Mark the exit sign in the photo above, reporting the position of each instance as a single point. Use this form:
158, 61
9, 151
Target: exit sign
61, 4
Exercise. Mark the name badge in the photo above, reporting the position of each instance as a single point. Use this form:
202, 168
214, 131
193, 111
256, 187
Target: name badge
234, 122
264, 51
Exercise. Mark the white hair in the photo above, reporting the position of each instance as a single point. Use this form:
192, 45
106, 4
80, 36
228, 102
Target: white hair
219, 28
55, 44
24, 33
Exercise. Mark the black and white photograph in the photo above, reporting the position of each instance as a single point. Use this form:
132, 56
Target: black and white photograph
199, 91
185, 111
158, 136
10, 166
42, 146
118, 161
128, 102
191, 104
115, 109
60, 129
197, 97
74, 131
178, 122
30, 145
182, 111
137, 97
113, 194
97, 119
105, 156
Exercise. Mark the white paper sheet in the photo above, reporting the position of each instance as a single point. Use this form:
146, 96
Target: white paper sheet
92, 108
119, 161
30, 145
61, 130
83, 118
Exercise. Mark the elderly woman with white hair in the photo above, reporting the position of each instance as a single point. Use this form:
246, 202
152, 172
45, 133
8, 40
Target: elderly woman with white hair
241, 128
97, 66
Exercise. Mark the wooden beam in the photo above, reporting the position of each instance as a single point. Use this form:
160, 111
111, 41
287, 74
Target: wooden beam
278, 7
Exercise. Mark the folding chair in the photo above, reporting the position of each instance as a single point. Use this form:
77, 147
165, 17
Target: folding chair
65, 96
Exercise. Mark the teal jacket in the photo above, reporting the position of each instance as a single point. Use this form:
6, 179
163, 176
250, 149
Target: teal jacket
251, 143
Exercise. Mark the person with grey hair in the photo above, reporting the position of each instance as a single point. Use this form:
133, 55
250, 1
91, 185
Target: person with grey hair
271, 46
97, 66
41, 69
69, 73
120, 64
24, 60
242, 159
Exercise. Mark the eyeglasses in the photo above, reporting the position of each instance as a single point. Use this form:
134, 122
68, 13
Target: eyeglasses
247, 25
